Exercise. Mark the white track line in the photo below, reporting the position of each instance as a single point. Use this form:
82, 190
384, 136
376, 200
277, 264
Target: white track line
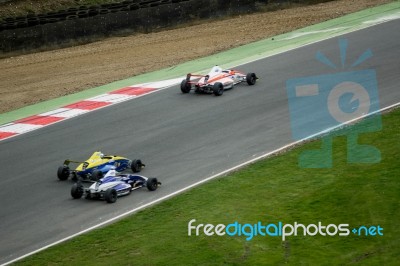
354, 28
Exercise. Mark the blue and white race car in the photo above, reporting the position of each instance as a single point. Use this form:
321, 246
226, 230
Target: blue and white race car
113, 185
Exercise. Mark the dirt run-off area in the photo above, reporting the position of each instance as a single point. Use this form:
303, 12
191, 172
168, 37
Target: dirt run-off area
41, 76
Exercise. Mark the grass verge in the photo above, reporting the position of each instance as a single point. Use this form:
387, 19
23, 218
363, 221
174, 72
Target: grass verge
269, 191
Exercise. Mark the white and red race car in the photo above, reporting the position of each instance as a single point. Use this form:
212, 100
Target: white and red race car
216, 81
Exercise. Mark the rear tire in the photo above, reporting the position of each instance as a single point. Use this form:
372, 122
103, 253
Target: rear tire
251, 78
185, 86
77, 191
152, 183
63, 173
218, 89
111, 195
136, 166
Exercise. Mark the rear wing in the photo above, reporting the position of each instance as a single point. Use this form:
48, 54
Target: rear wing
67, 162
199, 76
194, 76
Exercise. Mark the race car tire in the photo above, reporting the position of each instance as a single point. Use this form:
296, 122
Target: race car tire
111, 195
185, 86
251, 78
63, 173
136, 166
96, 175
218, 89
77, 191
152, 183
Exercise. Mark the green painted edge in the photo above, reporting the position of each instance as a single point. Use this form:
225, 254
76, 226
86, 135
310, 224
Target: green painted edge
229, 58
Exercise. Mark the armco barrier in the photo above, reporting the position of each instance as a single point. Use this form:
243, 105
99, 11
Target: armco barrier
83, 24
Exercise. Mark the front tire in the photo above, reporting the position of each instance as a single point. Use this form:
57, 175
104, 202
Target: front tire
251, 78
77, 191
218, 89
136, 166
96, 175
152, 183
63, 173
111, 195
185, 86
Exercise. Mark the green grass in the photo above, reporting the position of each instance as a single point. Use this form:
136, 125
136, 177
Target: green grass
272, 190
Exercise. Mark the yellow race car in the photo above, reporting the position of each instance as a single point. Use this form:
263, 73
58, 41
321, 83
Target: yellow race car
96, 166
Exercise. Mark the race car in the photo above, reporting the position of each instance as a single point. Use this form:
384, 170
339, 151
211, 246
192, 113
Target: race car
96, 166
113, 185
216, 81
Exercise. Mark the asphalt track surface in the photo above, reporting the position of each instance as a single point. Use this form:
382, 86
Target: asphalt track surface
181, 138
